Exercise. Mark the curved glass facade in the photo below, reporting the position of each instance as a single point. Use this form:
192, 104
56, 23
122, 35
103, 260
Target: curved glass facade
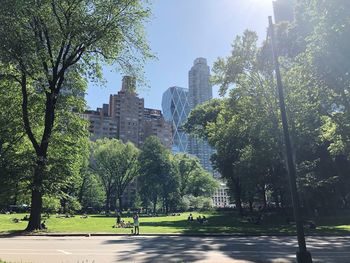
176, 108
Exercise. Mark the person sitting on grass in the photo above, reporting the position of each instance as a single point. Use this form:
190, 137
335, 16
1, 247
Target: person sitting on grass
121, 224
84, 216
136, 224
43, 225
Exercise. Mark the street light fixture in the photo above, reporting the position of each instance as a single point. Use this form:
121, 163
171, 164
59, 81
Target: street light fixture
303, 256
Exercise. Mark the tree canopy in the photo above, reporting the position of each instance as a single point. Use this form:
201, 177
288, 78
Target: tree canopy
48, 49
244, 127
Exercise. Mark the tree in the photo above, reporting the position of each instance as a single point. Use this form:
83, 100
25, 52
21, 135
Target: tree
91, 193
194, 179
117, 165
45, 45
243, 128
155, 172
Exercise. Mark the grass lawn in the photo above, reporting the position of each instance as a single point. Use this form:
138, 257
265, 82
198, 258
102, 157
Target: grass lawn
218, 223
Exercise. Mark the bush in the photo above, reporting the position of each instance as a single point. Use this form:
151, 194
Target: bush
51, 204
73, 205
184, 204
200, 202
207, 204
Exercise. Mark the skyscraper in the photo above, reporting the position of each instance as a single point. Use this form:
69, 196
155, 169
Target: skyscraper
127, 108
101, 124
176, 108
155, 124
200, 91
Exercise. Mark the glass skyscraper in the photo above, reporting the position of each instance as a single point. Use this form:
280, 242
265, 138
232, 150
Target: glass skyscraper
200, 91
177, 103
176, 108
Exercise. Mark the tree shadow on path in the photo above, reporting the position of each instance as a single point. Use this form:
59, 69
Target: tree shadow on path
226, 249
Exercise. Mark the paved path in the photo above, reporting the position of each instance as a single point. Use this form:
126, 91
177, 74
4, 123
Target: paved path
169, 249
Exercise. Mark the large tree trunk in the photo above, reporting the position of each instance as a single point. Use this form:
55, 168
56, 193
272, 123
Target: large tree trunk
64, 205
36, 199
108, 200
263, 196
41, 148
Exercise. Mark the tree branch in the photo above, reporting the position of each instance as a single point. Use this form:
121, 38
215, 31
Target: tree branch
25, 115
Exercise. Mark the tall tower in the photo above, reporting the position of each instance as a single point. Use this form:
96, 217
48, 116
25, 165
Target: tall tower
200, 91
176, 108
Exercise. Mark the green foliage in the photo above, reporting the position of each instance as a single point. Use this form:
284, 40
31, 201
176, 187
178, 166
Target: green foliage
48, 50
16, 158
51, 204
199, 202
91, 194
184, 204
117, 166
194, 179
156, 177
244, 126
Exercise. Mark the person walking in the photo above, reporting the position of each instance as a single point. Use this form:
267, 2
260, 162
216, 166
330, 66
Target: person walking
136, 224
118, 220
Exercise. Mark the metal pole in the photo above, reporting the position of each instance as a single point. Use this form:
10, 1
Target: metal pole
303, 256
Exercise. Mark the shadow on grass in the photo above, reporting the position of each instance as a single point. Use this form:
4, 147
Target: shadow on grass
223, 223
231, 223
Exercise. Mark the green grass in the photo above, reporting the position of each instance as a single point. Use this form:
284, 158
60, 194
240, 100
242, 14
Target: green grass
218, 223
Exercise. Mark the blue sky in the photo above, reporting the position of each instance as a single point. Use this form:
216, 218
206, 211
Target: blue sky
179, 32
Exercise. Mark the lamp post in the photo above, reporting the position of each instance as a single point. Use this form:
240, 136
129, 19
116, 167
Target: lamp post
303, 256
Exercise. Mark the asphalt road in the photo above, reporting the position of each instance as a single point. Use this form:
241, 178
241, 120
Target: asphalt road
169, 249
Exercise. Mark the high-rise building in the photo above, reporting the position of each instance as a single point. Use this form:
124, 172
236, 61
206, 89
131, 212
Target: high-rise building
127, 108
155, 124
176, 108
101, 124
284, 10
200, 91
126, 118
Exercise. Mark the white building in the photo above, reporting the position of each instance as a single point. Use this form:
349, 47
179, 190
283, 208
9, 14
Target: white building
221, 196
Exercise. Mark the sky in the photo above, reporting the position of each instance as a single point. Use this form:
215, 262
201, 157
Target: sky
181, 31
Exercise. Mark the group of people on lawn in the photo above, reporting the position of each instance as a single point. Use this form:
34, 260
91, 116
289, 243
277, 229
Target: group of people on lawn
121, 224
200, 219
